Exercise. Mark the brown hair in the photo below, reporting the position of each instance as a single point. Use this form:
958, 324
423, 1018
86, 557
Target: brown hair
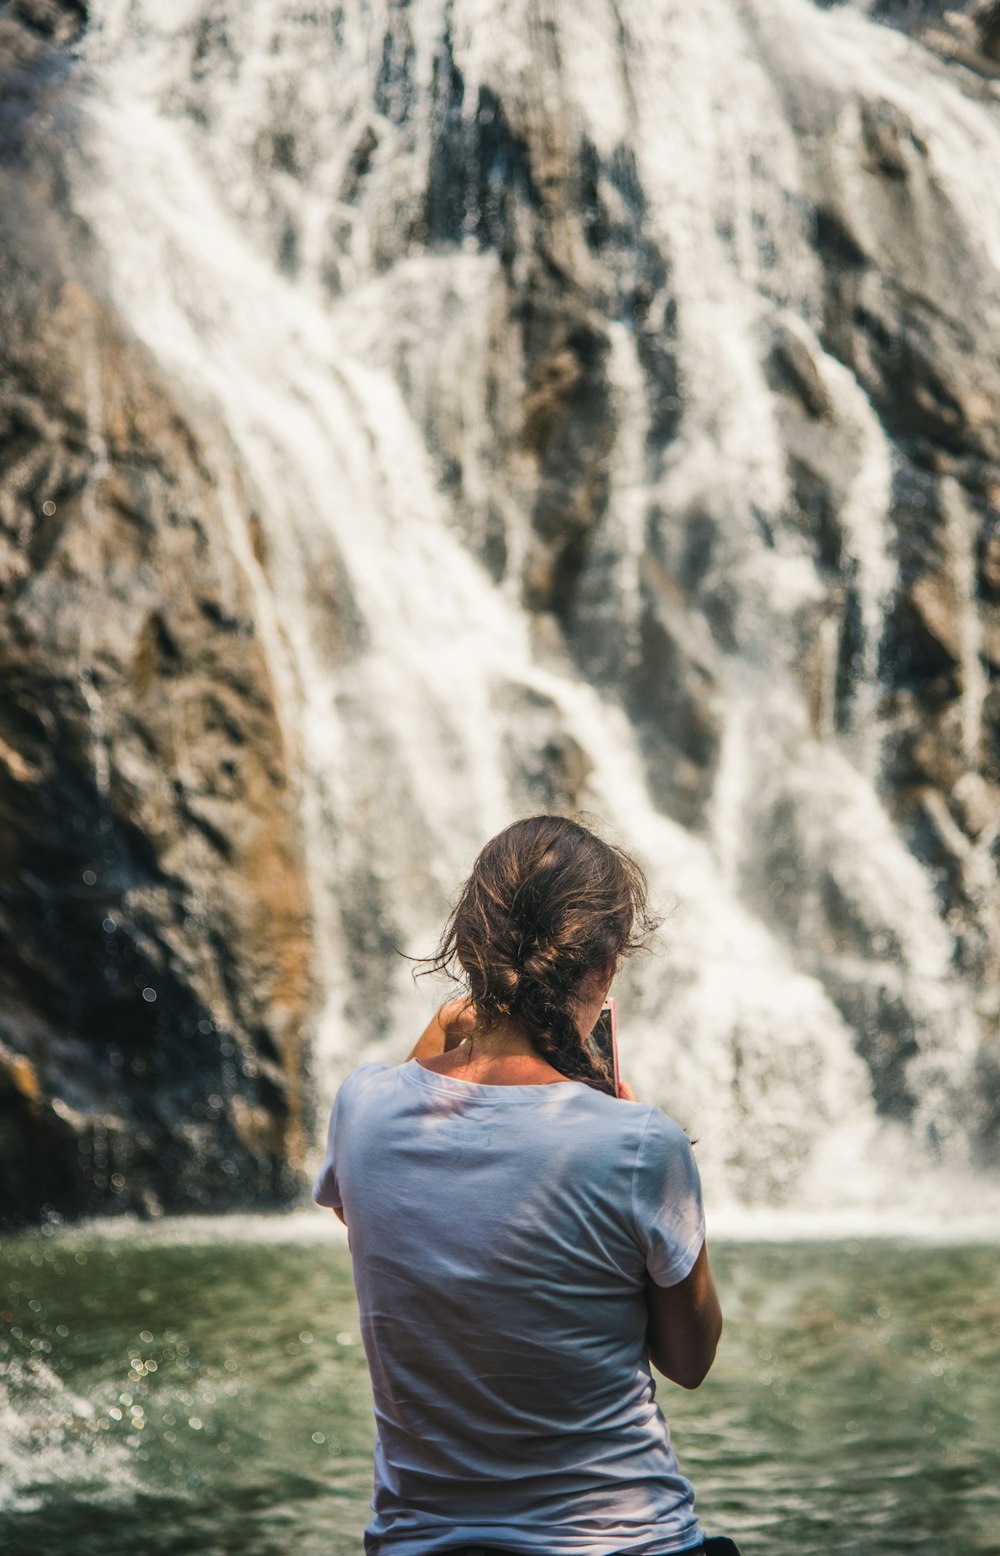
548, 901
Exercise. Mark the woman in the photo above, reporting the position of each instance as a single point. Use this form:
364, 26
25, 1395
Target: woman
524, 1241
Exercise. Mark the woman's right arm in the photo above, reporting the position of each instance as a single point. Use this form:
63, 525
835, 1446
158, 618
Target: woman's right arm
454, 1021
684, 1324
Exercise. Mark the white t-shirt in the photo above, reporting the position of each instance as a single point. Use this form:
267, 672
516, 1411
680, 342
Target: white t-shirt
500, 1238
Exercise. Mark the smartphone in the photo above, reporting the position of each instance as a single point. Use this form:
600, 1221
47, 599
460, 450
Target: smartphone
604, 1038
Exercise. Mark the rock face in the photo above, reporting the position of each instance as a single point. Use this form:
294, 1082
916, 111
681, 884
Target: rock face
513, 177
691, 320
153, 916
906, 309
899, 651
968, 34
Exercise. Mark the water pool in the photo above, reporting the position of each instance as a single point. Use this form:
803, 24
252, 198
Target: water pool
200, 1387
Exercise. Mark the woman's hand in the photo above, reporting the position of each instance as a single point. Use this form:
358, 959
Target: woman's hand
454, 1021
626, 1093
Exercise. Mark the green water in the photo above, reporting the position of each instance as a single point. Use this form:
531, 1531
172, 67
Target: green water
160, 1395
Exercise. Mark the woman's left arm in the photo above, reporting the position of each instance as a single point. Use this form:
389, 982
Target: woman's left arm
685, 1323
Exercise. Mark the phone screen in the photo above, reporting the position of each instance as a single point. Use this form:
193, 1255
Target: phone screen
604, 1039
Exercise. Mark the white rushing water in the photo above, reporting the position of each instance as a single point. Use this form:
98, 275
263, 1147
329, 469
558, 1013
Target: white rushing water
415, 685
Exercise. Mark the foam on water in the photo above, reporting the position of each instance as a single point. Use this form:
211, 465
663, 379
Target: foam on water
53, 1434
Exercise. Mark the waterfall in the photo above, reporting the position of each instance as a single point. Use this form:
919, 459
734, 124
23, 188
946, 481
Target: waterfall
521, 461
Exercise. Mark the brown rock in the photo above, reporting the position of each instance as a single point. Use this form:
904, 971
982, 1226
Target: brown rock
976, 803
989, 567
154, 924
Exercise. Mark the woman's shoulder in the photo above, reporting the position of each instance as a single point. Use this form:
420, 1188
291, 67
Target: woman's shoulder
642, 1127
360, 1080
367, 1071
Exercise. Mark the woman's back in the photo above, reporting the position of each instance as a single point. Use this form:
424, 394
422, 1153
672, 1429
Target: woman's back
501, 1238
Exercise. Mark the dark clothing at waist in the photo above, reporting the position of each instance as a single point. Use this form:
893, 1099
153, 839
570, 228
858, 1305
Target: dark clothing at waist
715, 1545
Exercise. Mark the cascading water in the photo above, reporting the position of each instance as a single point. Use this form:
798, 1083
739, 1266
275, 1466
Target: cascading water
331, 226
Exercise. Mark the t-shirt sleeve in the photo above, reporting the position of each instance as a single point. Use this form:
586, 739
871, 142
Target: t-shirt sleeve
325, 1190
666, 1200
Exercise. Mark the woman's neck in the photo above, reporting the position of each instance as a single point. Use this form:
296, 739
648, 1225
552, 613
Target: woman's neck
503, 1056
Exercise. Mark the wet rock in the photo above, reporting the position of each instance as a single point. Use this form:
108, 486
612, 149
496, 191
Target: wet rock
674, 698
60, 22
926, 644
889, 139
154, 926
968, 31
987, 22
791, 366
985, 1125
546, 768
909, 318
975, 802
989, 560
524, 278
568, 429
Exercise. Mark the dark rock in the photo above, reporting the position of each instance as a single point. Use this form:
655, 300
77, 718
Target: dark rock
985, 1124
154, 926
889, 140
140, 740
394, 85
878, 1015
991, 721
359, 165
987, 21
568, 429
372, 941
975, 803
989, 559
673, 698
791, 366
546, 768
967, 33
60, 22
923, 630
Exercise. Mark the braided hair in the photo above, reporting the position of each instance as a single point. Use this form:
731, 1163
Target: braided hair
547, 902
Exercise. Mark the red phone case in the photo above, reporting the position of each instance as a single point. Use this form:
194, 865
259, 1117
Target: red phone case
610, 1006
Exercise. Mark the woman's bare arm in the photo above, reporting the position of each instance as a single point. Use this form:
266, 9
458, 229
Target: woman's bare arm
454, 1021
685, 1322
